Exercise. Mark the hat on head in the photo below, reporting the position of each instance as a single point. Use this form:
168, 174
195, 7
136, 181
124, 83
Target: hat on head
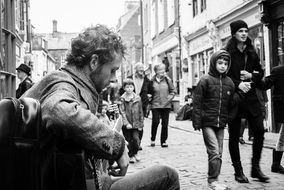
24, 68
236, 25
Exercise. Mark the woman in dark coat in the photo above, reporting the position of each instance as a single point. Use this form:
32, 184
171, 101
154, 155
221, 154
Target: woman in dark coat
276, 79
246, 73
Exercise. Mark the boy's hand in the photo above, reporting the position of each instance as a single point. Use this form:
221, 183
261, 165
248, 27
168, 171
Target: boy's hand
245, 86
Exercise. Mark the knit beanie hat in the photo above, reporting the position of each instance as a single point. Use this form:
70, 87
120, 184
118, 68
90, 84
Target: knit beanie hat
236, 25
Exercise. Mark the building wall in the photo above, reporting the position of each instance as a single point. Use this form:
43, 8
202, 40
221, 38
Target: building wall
129, 29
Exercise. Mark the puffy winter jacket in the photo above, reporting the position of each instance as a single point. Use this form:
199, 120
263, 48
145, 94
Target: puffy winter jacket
213, 97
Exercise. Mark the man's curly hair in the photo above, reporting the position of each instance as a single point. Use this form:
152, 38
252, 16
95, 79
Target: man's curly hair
98, 40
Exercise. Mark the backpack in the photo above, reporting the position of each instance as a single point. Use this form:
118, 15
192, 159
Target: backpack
25, 146
20, 134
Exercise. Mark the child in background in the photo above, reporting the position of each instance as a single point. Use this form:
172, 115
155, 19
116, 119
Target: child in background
212, 99
102, 114
132, 117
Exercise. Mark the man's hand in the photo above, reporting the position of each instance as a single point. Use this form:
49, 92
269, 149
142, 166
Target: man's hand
122, 164
128, 126
245, 86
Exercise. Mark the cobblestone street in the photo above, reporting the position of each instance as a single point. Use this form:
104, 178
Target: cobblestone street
186, 153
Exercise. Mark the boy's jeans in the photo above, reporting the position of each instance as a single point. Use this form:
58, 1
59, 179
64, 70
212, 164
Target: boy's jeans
213, 139
158, 177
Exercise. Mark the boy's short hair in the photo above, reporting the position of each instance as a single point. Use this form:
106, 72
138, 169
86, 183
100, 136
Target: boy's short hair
128, 82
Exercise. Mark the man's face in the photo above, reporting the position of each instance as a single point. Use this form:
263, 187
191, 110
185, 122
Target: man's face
103, 75
242, 34
140, 70
21, 74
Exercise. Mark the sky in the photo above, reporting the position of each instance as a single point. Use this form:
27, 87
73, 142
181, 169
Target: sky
74, 15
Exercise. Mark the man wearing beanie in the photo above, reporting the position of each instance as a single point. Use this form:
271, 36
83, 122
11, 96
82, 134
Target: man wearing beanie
246, 73
23, 73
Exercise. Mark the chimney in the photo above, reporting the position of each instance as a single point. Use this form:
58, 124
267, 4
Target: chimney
54, 22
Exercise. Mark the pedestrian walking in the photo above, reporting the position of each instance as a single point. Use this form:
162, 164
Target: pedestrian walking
141, 83
69, 99
162, 92
246, 73
23, 73
213, 99
132, 117
275, 79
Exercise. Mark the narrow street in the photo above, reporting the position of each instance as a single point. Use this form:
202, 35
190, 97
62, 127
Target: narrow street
187, 154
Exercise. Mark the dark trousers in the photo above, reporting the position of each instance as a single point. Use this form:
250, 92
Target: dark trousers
256, 125
157, 114
132, 137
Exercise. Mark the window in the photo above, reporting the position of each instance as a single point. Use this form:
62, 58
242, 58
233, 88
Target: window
203, 5
161, 17
171, 12
7, 49
195, 7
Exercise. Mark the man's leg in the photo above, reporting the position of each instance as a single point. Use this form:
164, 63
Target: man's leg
157, 177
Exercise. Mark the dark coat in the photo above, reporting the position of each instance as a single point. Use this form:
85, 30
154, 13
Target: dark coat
213, 97
249, 61
276, 79
24, 86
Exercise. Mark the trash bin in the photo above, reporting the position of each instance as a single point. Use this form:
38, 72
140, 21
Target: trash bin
175, 105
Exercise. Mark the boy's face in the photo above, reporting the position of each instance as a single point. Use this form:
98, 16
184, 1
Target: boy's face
129, 88
222, 65
104, 110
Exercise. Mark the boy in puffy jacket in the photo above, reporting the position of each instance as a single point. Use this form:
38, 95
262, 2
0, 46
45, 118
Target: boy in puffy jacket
213, 99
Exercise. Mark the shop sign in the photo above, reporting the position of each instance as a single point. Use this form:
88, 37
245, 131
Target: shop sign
199, 44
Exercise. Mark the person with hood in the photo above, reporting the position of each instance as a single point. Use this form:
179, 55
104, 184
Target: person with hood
23, 73
246, 73
213, 99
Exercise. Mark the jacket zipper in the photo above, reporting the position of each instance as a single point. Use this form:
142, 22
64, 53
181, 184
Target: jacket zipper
220, 102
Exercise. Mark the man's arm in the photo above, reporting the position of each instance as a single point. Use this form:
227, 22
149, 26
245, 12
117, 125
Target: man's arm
63, 114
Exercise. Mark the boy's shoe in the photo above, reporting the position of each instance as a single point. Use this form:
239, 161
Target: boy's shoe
132, 160
137, 158
215, 185
164, 145
152, 143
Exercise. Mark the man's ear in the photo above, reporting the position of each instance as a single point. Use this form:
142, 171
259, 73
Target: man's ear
94, 62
